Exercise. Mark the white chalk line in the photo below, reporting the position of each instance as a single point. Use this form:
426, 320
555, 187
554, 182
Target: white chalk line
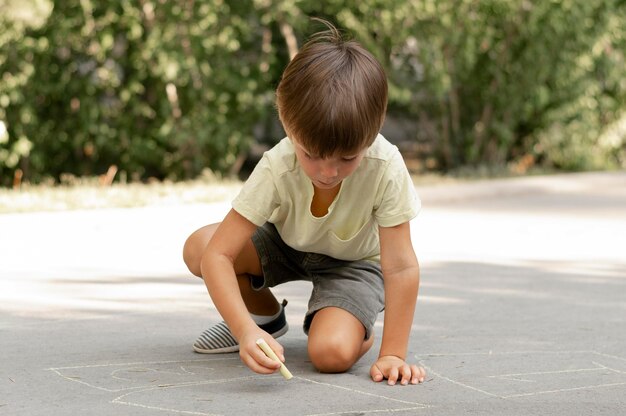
141, 363
538, 373
362, 412
118, 400
453, 354
363, 393
431, 371
184, 412
140, 389
137, 389
536, 393
599, 368
192, 373
144, 370
523, 380
610, 356
75, 379
609, 368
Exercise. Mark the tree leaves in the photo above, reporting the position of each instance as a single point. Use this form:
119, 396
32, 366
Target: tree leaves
168, 89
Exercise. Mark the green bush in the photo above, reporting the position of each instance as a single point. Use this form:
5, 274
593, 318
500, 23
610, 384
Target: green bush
168, 89
160, 90
493, 82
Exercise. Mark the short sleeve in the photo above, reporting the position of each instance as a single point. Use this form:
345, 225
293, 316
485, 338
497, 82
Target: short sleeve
397, 199
258, 197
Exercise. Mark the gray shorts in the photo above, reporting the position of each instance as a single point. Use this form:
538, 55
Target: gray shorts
355, 286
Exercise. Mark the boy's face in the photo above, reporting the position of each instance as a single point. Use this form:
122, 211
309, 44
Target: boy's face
329, 172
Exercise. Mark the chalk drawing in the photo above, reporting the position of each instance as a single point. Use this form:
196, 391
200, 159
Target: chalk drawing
198, 387
516, 374
215, 386
138, 375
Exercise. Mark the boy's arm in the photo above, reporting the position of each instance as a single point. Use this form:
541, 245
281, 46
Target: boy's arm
401, 276
218, 272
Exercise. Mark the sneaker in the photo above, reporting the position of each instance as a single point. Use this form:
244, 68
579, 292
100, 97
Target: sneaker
218, 339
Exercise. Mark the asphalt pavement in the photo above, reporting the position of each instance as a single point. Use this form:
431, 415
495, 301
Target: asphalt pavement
521, 311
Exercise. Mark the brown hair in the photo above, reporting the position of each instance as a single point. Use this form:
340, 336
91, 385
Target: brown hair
332, 97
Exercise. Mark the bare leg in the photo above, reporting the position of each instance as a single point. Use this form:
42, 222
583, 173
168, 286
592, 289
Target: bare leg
259, 302
336, 340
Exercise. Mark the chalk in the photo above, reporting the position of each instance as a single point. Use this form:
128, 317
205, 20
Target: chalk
271, 354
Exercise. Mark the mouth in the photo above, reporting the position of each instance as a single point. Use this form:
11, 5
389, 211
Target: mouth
326, 184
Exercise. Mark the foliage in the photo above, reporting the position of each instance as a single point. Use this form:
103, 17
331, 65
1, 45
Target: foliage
166, 89
161, 90
491, 81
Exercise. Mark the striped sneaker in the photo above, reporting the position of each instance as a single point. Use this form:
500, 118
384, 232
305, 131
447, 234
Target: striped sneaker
218, 339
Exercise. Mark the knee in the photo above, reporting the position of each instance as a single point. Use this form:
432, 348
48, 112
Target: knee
192, 256
332, 354
194, 248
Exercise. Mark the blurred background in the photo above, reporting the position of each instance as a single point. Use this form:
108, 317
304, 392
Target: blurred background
131, 91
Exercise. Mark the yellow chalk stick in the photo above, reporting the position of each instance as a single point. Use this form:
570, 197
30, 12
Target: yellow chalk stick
271, 354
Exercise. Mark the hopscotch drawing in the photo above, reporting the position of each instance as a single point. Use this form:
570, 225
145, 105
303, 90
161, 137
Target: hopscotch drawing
223, 386
201, 387
507, 375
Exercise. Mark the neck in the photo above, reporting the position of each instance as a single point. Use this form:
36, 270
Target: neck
322, 199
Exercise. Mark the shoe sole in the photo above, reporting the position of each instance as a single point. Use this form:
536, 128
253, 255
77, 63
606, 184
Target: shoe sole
282, 331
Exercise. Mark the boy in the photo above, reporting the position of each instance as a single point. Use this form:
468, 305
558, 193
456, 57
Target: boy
330, 203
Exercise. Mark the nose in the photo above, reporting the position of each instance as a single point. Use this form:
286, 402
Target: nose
329, 169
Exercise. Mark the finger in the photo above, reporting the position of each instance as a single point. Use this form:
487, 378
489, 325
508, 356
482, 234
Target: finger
405, 372
255, 366
258, 362
277, 348
267, 350
376, 374
417, 375
392, 378
265, 361
422, 375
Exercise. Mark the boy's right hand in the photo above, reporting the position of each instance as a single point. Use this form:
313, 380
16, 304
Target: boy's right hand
254, 357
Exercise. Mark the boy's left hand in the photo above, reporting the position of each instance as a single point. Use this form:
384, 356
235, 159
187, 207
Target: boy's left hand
394, 369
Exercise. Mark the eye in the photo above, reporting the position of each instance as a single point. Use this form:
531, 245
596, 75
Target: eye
309, 156
348, 159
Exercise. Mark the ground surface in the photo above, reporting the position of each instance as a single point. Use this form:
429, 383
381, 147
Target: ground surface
521, 311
